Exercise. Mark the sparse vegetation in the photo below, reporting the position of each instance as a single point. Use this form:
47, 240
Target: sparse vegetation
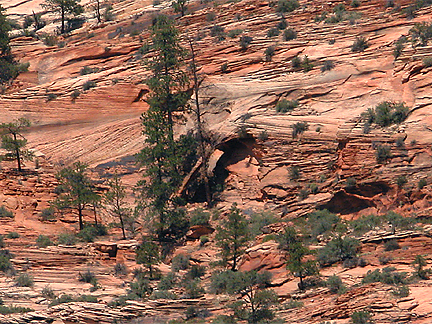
294, 172
287, 5
289, 34
335, 285
361, 317
12, 235
88, 70
338, 249
88, 85
386, 113
285, 105
360, 44
269, 52
245, 42
24, 280
299, 128
273, 32
5, 213
43, 241
383, 153
67, 239
327, 65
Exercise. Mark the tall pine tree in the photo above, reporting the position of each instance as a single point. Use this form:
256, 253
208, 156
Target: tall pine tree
164, 157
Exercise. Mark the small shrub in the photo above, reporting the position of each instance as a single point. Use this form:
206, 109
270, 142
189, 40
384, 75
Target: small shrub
296, 62
47, 214
391, 245
5, 264
245, 42
120, 270
361, 317
75, 94
389, 4
360, 44
355, 3
291, 304
400, 142
289, 34
387, 276
199, 217
193, 289
90, 232
51, 96
383, 153
12, 235
387, 113
263, 135
335, 285
401, 291
284, 105
327, 66
163, 294
180, 262
5, 310
350, 183
43, 241
397, 51
273, 32
5, 213
87, 277
63, 299
67, 239
24, 280
384, 259
196, 271
306, 64
224, 67
168, 281
282, 24
427, 61
88, 70
294, 172
258, 221
422, 183
299, 128
234, 33
287, 5
218, 32
50, 40
210, 16
338, 249
269, 52
421, 33
313, 187
401, 181
48, 292
322, 222
303, 194
88, 85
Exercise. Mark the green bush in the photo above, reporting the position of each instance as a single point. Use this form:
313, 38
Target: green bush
401, 181
88, 85
299, 128
422, 183
289, 34
5, 264
361, 317
273, 32
67, 239
199, 217
338, 249
88, 70
47, 214
421, 33
365, 224
180, 262
391, 245
234, 33
120, 269
163, 294
292, 303
140, 288
48, 292
360, 44
294, 172
193, 289
427, 61
398, 221
90, 232
5, 213
327, 65
335, 285
383, 153
218, 32
282, 24
269, 52
245, 42
401, 291
387, 113
12, 235
384, 259
24, 280
296, 62
287, 5
43, 241
306, 64
322, 222
387, 276
5, 310
168, 281
88, 277
284, 105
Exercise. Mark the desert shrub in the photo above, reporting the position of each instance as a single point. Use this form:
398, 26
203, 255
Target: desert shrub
245, 42
269, 52
387, 276
421, 33
87, 277
47, 214
360, 44
62, 299
2, 243
397, 51
313, 188
418, 264
24, 280
299, 128
422, 183
303, 193
12, 235
282, 24
289, 34
224, 67
335, 285
287, 5
88, 70
294, 172
398, 221
263, 135
355, 3
120, 269
90, 232
163, 294
199, 217
350, 183
284, 105
296, 62
354, 262
327, 65
273, 32
50, 40
5, 213
67, 239
43, 241
387, 113
218, 32
48, 292
384, 259
258, 221
401, 181
306, 64
338, 249
180, 262
5, 264
383, 153
322, 222
401, 291
400, 142
4, 310
292, 303
361, 317
427, 61
391, 245
234, 33
168, 281
210, 16
51, 96
193, 289
88, 85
